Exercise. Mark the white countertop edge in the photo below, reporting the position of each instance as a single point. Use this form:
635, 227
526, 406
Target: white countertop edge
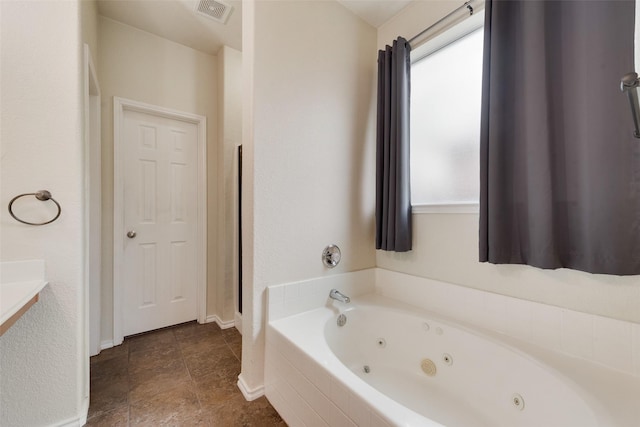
14, 296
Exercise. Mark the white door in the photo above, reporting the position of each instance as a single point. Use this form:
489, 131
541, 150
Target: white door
160, 222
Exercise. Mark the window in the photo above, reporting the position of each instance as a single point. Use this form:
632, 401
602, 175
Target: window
446, 89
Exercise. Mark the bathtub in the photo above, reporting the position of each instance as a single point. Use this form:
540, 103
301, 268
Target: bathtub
392, 364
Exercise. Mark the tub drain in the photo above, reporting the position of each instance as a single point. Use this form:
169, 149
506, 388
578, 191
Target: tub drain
428, 367
342, 320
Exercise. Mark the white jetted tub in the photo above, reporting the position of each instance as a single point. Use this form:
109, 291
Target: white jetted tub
391, 364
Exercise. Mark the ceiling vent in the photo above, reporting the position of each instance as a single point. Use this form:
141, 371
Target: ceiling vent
217, 10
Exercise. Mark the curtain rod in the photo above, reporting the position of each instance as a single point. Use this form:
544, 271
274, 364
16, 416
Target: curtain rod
466, 4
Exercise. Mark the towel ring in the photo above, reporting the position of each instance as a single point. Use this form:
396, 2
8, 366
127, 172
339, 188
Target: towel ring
42, 195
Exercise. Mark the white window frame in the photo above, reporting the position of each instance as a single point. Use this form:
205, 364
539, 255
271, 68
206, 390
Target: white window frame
432, 45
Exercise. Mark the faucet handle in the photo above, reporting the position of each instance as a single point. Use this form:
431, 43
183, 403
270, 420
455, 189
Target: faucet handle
331, 256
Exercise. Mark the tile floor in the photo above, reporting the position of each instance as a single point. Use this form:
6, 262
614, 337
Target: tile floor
180, 376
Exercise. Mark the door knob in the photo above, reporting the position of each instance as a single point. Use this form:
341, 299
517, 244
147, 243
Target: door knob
131, 234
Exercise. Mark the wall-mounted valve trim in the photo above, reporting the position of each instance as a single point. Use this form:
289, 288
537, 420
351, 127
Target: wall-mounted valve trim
331, 256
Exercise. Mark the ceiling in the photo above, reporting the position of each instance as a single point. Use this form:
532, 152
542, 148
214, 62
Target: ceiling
375, 12
176, 20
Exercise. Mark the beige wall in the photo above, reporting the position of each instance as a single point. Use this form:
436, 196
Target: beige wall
89, 25
446, 246
43, 360
309, 151
229, 138
137, 65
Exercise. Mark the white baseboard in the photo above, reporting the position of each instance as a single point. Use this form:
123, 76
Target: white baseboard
72, 422
222, 323
80, 420
238, 321
247, 392
103, 346
213, 318
106, 344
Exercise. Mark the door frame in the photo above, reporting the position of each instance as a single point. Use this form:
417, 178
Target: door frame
93, 200
92, 194
120, 105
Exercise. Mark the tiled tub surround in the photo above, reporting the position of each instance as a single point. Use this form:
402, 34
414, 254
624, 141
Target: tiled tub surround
300, 377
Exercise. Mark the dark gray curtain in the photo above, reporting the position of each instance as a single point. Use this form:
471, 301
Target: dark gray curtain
393, 196
560, 169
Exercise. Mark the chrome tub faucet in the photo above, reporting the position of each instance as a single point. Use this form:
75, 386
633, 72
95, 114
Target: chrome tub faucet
339, 296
